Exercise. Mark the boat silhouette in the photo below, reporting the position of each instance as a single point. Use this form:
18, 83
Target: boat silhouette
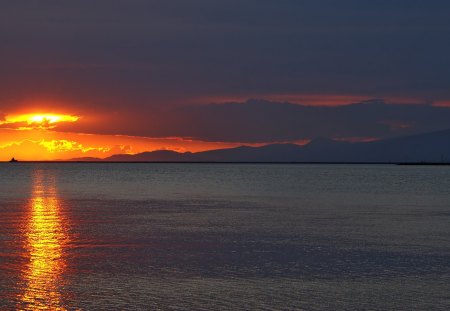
13, 160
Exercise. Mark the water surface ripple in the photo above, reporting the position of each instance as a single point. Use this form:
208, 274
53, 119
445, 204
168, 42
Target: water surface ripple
224, 237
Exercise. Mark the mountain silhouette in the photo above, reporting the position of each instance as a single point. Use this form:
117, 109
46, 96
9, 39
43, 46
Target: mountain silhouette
429, 147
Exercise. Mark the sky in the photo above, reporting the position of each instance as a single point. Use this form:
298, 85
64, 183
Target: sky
92, 78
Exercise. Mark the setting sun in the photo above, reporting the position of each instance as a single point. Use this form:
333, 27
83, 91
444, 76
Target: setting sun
40, 118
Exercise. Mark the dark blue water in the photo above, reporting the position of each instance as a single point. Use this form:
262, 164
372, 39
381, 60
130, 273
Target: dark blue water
224, 237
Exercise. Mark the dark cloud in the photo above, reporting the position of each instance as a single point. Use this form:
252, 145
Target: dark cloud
142, 54
263, 121
136, 67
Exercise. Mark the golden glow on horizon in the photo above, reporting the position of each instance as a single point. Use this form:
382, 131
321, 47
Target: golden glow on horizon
36, 137
40, 144
46, 239
39, 137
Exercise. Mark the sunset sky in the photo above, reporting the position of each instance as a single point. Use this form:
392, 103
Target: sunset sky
92, 78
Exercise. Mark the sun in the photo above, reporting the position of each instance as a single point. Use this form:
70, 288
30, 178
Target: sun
50, 118
45, 118
38, 120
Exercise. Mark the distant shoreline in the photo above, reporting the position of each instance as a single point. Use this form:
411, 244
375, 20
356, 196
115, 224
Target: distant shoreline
426, 164
231, 162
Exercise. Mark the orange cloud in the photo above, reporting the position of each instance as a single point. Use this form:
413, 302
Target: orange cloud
324, 100
442, 103
56, 146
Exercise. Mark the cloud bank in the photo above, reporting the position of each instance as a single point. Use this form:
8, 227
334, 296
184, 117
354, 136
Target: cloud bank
259, 121
111, 54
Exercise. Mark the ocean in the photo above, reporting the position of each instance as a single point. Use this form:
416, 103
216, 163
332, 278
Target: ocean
87, 236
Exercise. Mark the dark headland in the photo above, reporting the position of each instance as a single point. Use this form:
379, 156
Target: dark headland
423, 149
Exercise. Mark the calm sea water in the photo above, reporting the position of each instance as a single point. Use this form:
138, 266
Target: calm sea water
224, 237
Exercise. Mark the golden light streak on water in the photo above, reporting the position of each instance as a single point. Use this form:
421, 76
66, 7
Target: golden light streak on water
46, 239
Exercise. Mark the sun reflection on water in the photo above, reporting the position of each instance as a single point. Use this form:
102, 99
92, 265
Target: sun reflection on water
46, 239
